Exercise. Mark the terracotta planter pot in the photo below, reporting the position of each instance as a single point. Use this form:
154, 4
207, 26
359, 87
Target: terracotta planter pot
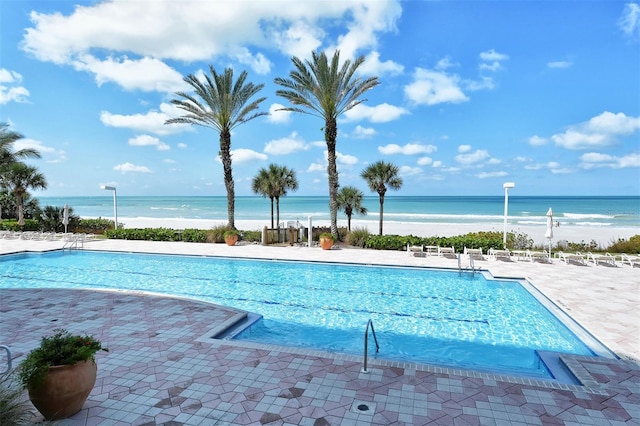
65, 390
231, 240
326, 243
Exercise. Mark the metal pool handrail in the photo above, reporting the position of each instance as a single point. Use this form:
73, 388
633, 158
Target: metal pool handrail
366, 344
6, 348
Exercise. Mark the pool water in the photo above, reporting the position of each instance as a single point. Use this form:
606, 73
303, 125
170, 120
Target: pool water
420, 315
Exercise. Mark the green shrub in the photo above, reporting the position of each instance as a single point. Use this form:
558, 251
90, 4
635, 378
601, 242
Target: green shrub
95, 226
252, 236
147, 234
631, 246
216, 234
357, 237
15, 408
194, 235
483, 240
12, 225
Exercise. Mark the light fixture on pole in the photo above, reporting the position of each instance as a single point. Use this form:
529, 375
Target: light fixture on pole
115, 202
506, 186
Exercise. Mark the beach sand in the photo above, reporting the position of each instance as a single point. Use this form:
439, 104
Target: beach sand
603, 236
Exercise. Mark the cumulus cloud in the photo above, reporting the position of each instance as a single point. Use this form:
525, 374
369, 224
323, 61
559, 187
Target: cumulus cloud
425, 161
536, 140
431, 87
382, 113
363, 132
408, 149
559, 64
285, 146
316, 167
49, 154
629, 21
131, 168
373, 66
152, 121
10, 90
492, 60
410, 171
155, 31
464, 148
146, 140
472, 157
592, 160
600, 131
486, 175
278, 117
345, 159
553, 166
243, 155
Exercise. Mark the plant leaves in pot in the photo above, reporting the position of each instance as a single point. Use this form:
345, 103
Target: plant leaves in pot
60, 373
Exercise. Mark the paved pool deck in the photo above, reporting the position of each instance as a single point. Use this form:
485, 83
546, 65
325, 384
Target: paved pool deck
163, 367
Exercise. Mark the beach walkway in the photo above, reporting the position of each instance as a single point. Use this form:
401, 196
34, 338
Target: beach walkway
163, 367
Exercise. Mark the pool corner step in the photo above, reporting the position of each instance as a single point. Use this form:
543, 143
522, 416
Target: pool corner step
558, 368
238, 327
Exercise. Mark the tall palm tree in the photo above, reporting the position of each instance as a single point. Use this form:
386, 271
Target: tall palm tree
350, 199
8, 155
220, 104
379, 175
326, 89
18, 179
274, 182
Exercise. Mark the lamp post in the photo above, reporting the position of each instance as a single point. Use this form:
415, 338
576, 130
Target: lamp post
506, 186
115, 202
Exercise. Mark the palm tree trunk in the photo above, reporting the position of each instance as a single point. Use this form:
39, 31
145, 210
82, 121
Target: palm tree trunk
271, 212
349, 223
225, 156
278, 216
20, 210
330, 135
381, 210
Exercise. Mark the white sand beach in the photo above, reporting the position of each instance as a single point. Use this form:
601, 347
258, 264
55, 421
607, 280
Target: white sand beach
602, 235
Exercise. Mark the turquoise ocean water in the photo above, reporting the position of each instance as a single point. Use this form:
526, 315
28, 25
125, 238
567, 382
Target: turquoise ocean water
609, 211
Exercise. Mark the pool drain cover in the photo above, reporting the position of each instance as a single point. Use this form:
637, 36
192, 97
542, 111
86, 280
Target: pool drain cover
364, 407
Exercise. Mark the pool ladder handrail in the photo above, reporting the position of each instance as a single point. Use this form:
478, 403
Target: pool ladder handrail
8, 370
472, 266
366, 344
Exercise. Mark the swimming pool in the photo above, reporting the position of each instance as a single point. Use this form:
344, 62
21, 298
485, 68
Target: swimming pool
420, 315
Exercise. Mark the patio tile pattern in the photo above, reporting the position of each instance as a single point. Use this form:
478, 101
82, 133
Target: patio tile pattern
163, 368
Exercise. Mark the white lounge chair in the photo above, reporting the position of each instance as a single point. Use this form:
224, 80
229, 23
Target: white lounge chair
633, 261
446, 252
537, 256
500, 254
475, 253
415, 250
597, 259
575, 258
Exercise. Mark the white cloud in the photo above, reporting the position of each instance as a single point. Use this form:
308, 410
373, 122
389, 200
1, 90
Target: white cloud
464, 148
493, 56
598, 132
345, 159
182, 145
592, 160
152, 121
410, 171
316, 167
363, 132
472, 157
278, 117
373, 66
157, 30
431, 87
382, 113
559, 64
285, 146
486, 175
445, 63
131, 168
425, 161
243, 155
408, 149
11, 94
536, 140
629, 21
146, 140
146, 74
49, 154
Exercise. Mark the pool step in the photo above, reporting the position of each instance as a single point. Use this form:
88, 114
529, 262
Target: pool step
238, 327
558, 368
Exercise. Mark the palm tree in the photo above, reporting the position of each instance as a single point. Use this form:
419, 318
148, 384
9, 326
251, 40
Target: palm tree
379, 175
273, 182
18, 179
326, 90
350, 199
223, 105
7, 154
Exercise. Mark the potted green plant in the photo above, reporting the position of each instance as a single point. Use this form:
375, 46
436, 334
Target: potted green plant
326, 240
60, 373
231, 237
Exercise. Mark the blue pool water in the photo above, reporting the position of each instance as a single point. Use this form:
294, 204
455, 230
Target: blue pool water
420, 315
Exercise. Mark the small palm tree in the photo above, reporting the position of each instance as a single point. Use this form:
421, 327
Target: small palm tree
18, 179
223, 105
379, 175
350, 199
274, 182
326, 89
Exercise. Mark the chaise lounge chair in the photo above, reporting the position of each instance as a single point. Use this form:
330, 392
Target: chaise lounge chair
416, 251
575, 258
597, 259
475, 253
633, 261
446, 252
500, 254
538, 256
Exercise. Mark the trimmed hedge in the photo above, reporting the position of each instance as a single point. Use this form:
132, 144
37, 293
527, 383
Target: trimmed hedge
12, 225
483, 240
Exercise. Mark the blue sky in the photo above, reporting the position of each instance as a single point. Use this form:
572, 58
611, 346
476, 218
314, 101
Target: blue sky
472, 94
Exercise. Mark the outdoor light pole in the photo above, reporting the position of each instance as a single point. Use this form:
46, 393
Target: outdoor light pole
506, 186
115, 202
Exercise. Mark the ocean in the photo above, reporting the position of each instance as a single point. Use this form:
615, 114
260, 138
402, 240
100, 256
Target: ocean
603, 211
